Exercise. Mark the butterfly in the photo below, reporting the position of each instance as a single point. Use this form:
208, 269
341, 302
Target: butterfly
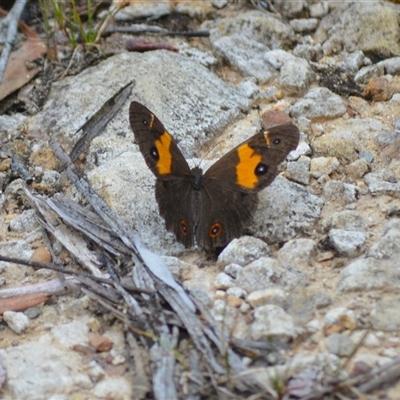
209, 209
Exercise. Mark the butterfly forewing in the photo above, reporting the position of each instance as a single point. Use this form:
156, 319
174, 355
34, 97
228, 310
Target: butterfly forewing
158, 147
173, 184
253, 165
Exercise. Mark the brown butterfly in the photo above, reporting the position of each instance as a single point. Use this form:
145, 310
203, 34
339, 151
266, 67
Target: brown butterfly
214, 207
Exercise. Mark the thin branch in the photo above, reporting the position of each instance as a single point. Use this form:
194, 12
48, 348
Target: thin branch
52, 287
58, 268
155, 31
98, 122
390, 374
54, 267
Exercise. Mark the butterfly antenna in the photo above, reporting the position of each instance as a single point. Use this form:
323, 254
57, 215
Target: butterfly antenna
209, 151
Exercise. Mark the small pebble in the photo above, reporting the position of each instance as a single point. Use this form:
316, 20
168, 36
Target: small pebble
223, 281
84, 349
233, 301
41, 254
237, 291
339, 344
17, 321
32, 312
367, 156
266, 296
232, 270
101, 343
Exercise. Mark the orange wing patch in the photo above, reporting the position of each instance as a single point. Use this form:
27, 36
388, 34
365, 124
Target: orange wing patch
152, 121
245, 170
267, 138
164, 162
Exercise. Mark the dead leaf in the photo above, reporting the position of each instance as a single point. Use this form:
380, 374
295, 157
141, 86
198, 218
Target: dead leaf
21, 303
17, 73
274, 118
101, 343
142, 45
41, 254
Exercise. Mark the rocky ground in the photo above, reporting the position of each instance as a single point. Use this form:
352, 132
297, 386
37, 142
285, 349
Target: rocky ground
317, 269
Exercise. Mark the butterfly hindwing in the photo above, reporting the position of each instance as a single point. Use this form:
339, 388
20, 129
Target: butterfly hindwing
174, 197
223, 214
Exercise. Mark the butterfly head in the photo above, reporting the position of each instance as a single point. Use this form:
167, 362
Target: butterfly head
197, 178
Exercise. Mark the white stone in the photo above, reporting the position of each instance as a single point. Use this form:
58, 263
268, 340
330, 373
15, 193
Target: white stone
271, 322
17, 321
299, 252
347, 243
223, 281
237, 292
333, 317
72, 333
243, 250
323, 165
266, 296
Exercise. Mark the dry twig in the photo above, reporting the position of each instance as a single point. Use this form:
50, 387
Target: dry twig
97, 123
140, 30
153, 323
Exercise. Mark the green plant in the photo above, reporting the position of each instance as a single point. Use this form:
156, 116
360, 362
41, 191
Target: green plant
49, 32
69, 20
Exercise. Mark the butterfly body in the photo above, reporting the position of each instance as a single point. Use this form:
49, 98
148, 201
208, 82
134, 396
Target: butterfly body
209, 209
